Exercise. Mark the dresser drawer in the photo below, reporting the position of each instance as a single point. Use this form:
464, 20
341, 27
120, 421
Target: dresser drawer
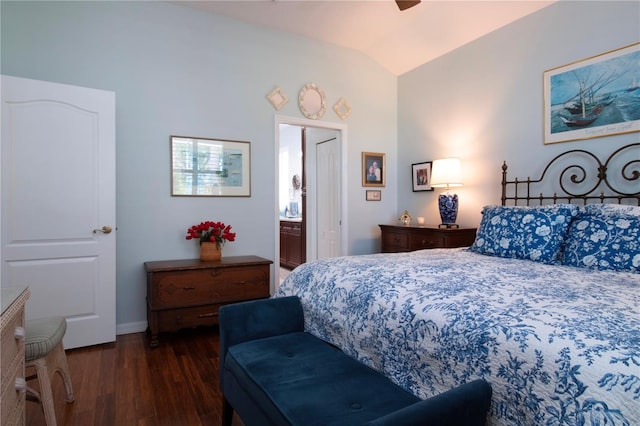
175, 319
12, 402
204, 286
11, 347
12, 399
395, 241
397, 238
425, 240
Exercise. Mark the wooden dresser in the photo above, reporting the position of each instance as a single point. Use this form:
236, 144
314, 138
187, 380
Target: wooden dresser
12, 380
188, 293
399, 238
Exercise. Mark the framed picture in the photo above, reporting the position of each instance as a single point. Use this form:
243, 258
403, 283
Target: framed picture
421, 176
373, 169
203, 167
374, 195
594, 97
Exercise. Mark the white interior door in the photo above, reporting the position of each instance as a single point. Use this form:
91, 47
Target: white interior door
328, 196
58, 203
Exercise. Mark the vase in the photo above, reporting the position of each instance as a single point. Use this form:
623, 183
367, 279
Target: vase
210, 251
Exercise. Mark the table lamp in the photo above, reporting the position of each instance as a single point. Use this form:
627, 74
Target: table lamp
445, 173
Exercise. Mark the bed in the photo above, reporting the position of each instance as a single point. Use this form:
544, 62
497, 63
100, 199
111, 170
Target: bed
545, 305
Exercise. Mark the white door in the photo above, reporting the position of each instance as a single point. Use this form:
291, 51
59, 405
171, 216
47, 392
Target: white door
328, 196
58, 203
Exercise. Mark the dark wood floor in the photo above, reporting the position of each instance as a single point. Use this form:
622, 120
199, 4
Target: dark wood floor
128, 383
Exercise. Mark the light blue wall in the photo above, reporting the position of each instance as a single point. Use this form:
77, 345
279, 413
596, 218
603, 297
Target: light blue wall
484, 101
179, 71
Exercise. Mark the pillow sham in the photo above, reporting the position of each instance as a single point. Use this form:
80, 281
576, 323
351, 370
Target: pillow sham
534, 233
604, 242
611, 209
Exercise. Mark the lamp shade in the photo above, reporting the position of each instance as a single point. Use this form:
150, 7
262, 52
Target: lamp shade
446, 173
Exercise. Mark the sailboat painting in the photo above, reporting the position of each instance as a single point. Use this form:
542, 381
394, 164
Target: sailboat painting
594, 97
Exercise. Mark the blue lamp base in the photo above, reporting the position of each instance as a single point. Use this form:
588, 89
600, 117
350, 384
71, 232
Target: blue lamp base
448, 205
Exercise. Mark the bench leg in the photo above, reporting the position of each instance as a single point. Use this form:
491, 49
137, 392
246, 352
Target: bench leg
227, 412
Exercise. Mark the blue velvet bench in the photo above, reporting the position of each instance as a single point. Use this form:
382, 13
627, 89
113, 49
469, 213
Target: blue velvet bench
274, 373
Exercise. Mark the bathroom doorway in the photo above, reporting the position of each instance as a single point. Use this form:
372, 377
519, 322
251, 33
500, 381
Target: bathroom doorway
314, 151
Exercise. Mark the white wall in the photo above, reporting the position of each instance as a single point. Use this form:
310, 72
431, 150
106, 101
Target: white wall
484, 101
180, 71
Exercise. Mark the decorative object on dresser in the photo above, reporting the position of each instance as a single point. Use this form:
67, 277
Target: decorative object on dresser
401, 238
12, 381
212, 236
405, 218
44, 352
446, 174
188, 293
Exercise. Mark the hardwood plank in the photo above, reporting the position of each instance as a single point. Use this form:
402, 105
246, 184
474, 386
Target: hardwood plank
128, 383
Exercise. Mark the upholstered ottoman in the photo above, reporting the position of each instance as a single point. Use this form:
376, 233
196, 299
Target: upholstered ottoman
274, 373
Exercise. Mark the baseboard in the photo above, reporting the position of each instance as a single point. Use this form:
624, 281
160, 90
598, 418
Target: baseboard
131, 327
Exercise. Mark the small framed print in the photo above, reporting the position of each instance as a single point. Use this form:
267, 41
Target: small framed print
374, 195
373, 169
421, 176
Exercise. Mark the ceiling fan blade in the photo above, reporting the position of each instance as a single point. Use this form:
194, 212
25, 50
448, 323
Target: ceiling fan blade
406, 4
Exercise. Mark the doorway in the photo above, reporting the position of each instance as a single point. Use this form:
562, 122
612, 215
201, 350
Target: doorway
320, 203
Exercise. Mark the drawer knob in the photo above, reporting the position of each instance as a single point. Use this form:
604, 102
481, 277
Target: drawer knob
21, 384
19, 334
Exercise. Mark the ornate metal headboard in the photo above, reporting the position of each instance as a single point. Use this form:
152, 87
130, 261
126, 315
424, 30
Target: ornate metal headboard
581, 179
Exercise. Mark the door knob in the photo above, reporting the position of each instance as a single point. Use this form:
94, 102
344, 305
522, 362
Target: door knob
105, 230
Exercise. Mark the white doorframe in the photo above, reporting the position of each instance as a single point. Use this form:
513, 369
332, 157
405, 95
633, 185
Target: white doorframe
311, 239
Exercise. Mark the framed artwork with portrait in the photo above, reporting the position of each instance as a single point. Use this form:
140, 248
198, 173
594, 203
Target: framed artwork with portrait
373, 169
421, 176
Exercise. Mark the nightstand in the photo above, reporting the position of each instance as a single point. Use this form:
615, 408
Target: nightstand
399, 238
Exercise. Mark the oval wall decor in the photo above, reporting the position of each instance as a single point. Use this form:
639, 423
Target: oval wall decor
312, 101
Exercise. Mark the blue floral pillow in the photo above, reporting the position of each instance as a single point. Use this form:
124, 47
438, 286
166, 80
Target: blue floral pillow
534, 233
603, 241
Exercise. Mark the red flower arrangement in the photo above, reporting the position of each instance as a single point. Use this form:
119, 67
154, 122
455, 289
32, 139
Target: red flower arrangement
209, 231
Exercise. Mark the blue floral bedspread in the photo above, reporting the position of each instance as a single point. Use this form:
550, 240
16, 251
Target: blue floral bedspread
559, 345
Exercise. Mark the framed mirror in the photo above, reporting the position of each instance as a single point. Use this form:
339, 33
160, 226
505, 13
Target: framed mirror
202, 167
277, 98
312, 102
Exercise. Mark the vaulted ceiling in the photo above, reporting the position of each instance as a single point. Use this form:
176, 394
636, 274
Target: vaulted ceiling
398, 40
